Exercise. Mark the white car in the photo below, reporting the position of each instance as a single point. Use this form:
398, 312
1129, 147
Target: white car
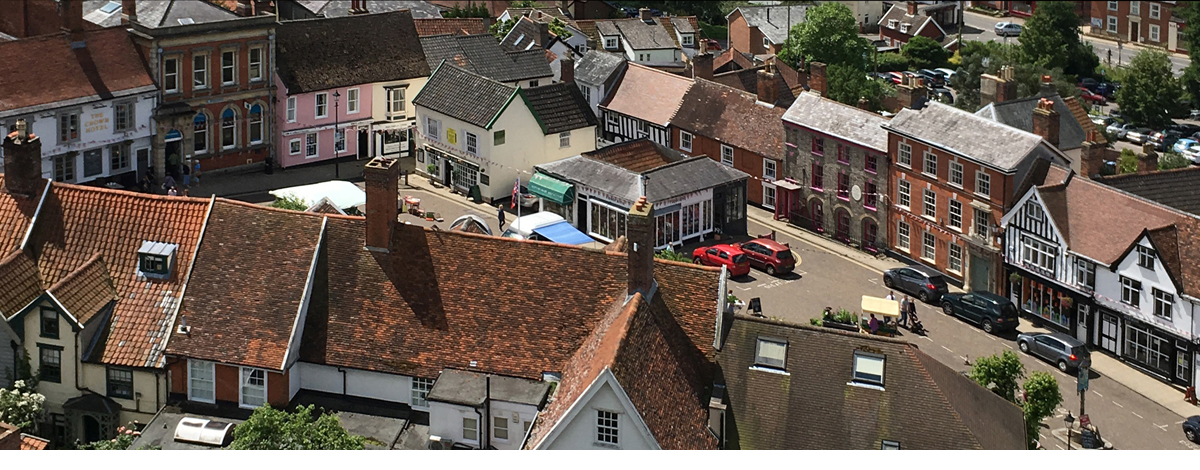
1139, 135
1120, 129
1192, 154
1005, 29
947, 72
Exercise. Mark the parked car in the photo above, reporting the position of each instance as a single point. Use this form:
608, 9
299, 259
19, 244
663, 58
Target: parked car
1005, 29
923, 282
897, 77
769, 255
990, 311
1165, 139
1192, 154
1182, 145
1184, 128
1139, 135
1108, 89
1062, 350
712, 45
947, 72
1121, 130
1090, 97
943, 95
932, 78
1191, 428
1103, 121
1089, 83
527, 199
733, 258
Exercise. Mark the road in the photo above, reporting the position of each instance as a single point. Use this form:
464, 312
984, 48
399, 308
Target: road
979, 27
1125, 418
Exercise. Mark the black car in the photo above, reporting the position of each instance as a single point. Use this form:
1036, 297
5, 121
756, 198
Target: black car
925, 283
943, 95
1191, 428
990, 311
933, 78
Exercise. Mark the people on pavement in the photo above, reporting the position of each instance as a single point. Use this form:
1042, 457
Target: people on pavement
891, 295
904, 310
873, 324
500, 208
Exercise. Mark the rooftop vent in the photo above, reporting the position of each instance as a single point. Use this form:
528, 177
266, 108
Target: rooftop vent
440, 443
156, 260
110, 7
186, 21
204, 431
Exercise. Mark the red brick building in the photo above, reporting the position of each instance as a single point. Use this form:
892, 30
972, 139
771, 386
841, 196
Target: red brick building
762, 29
1143, 22
954, 176
904, 21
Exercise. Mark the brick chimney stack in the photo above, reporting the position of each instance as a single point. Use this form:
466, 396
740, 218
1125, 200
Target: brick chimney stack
644, 14
1047, 86
382, 176
128, 12
1046, 121
640, 231
10, 437
768, 89
702, 65
1091, 156
1148, 161
912, 8
71, 14
816, 77
22, 161
543, 34
566, 70
997, 88
910, 92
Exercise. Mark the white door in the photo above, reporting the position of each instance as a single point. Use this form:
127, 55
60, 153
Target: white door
1108, 333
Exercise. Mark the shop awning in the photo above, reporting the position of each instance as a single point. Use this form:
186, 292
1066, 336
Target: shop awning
563, 232
550, 189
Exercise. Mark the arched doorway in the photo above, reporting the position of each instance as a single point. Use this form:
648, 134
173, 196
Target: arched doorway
91, 429
816, 210
842, 217
870, 234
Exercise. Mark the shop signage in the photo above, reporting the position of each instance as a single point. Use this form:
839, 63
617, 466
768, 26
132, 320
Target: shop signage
95, 122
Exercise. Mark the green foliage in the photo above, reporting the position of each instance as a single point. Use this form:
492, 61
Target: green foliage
272, 429
1128, 162
559, 29
1050, 40
470, 11
125, 437
1172, 160
501, 28
713, 31
22, 406
1042, 396
845, 316
847, 84
814, 321
672, 255
829, 35
525, 4
1190, 12
980, 58
1150, 91
891, 62
293, 203
999, 374
925, 53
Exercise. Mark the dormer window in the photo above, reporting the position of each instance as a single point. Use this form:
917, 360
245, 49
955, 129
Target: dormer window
892, 24
904, 28
610, 43
1145, 257
155, 259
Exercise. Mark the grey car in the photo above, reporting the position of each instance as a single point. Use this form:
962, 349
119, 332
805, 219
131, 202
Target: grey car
1062, 350
925, 283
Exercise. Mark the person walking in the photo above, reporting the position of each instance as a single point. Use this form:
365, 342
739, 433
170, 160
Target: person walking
500, 215
904, 311
172, 191
196, 173
187, 175
912, 311
891, 295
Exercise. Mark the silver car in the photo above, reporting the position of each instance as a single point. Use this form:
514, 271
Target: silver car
1139, 135
1005, 28
1062, 350
1120, 129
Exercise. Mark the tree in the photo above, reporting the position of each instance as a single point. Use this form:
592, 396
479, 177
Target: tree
1172, 160
292, 203
829, 34
1150, 91
999, 374
22, 406
978, 58
500, 29
272, 429
847, 84
1128, 162
1042, 396
471, 11
1050, 40
925, 53
1190, 12
672, 255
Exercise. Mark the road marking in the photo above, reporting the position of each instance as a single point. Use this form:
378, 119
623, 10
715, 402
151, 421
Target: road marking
965, 358
742, 288
873, 281
1061, 373
1163, 427
1040, 434
1101, 396
1007, 346
1059, 447
993, 338
1179, 422
948, 349
1138, 415
928, 338
1118, 404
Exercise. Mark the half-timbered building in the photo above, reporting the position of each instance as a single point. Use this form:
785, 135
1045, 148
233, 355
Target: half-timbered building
642, 105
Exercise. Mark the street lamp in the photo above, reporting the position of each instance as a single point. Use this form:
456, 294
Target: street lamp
336, 169
1070, 421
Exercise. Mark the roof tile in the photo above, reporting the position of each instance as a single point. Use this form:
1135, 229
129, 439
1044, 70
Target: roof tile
648, 94
324, 53
733, 117
110, 64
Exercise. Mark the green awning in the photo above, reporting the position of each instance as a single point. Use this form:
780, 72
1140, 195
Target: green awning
550, 189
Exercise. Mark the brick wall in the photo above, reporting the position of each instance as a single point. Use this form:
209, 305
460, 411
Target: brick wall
749, 162
1130, 27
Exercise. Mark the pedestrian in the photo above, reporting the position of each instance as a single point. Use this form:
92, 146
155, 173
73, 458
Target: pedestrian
168, 182
187, 175
144, 185
891, 295
912, 310
904, 311
185, 193
172, 191
196, 173
500, 215
873, 324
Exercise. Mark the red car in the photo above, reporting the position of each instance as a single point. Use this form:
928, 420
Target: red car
723, 255
712, 44
769, 255
1092, 97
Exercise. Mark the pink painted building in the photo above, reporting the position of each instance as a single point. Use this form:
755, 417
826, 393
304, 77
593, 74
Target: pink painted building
356, 72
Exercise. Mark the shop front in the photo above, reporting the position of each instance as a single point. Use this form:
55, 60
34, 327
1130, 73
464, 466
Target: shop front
1059, 307
1144, 343
556, 196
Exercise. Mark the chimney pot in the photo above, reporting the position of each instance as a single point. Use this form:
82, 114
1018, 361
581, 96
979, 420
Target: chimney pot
640, 230
22, 161
566, 70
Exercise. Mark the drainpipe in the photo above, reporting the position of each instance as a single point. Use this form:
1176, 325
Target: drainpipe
343, 371
487, 411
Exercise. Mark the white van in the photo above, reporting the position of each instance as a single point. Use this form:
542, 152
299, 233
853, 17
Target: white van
547, 226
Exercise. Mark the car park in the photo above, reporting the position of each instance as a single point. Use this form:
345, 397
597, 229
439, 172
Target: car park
1091, 97
729, 256
923, 282
947, 73
1139, 135
943, 95
1064, 351
769, 255
1005, 29
1120, 130
1165, 139
1103, 121
897, 77
932, 78
990, 311
1192, 154
1182, 145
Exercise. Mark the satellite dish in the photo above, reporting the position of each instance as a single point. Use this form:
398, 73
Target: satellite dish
856, 192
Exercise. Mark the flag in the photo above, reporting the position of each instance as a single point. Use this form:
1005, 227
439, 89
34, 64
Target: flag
516, 193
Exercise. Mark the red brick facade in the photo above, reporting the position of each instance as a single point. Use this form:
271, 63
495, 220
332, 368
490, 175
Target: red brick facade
1143, 22
749, 162
745, 38
228, 381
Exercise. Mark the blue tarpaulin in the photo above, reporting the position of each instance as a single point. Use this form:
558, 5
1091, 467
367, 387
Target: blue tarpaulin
563, 232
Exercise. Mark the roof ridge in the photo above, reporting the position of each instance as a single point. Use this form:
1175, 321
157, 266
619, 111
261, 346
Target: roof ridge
347, 17
280, 210
662, 72
126, 193
73, 274
824, 99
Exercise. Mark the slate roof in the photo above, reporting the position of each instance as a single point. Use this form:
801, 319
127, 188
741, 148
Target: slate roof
480, 53
234, 316
463, 95
639, 34
773, 21
1019, 114
110, 65
457, 26
683, 25
1173, 188
1100, 222
335, 8
319, 54
559, 107
731, 116
839, 120
524, 34
899, 12
596, 67
617, 168
973, 136
85, 292
648, 94
159, 13
924, 404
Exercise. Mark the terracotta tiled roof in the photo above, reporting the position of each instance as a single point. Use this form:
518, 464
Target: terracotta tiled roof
456, 26
19, 283
1100, 222
86, 291
77, 222
735, 56
637, 156
33, 442
110, 64
1085, 122
733, 117
325, 206
246, 290
648, 94
17, 211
